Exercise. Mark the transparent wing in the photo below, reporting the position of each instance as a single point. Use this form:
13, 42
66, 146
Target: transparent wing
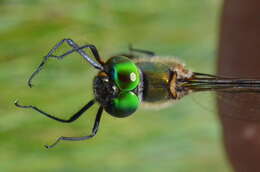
236, 105
243, 106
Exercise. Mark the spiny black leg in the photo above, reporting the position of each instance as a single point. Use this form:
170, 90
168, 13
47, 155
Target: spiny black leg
94, 131
76, 48
147, 52
83, 54
71, 119
132, 55
69, 52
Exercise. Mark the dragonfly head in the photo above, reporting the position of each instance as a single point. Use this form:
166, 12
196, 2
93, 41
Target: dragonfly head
118, 87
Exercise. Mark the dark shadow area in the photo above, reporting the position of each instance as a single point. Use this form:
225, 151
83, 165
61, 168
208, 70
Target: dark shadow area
239, 57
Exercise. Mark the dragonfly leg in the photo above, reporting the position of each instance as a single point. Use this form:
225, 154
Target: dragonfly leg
133, 51
71, 119
146, 52
77, 49
93, 133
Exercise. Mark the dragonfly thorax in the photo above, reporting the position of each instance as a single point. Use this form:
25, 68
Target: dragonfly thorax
163, 79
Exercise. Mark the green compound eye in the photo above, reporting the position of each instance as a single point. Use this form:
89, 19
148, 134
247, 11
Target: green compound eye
124, 105
125, 73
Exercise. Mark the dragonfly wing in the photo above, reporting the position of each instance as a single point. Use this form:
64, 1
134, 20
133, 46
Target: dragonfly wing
238, 106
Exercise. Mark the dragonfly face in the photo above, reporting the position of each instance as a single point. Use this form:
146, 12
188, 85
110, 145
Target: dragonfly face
119, 87
126, 80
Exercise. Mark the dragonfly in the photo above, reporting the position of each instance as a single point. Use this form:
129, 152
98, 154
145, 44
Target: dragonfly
127, 80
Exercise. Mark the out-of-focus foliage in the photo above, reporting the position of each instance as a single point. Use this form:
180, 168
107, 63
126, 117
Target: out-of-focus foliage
183, 137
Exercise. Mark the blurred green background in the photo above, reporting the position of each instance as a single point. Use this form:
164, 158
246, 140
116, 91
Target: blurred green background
184, 137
